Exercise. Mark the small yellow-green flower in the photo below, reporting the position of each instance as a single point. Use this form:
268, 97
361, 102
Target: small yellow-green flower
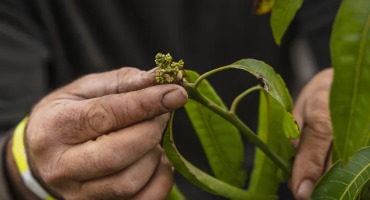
168, 71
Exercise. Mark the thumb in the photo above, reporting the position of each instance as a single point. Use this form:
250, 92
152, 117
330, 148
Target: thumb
113, 112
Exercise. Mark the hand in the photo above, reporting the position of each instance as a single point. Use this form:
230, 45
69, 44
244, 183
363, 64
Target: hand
98, 137
314, 147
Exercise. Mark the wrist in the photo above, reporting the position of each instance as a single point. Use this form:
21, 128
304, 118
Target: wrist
18, 158
19, 189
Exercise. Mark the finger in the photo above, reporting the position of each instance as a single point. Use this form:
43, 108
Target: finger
312, 115
111, 153
124, 183
117, 81
320, 83
329, 159
92, 118
310, 160
159, 185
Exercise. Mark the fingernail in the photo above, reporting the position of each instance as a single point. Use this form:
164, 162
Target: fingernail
175, 98
305, 189
152, 70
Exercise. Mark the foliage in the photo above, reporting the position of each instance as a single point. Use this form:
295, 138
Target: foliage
349, 103
271, 131
282, 14
217, 135
345, 181
218, 127
350, 96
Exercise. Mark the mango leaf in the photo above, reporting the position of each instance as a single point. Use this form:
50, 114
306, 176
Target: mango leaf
273, 83
263, 6
282, 15
221, 141
175, 194
276, 125
271, 130
345, 181
200, 178
350, 94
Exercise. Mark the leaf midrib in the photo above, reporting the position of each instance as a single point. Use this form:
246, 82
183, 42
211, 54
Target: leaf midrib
354, 180
217, 145
360, 59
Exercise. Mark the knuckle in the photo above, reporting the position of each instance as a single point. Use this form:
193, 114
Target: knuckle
51, 177
313, 170
109, 160
64, 120
98, 118
145, 105
125, 189
128, 73
319, 121
94, 160
36, 142
126, 70
310, 164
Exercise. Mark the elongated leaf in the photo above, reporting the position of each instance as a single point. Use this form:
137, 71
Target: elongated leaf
276, 125
272, 81
274, 86
350, 94
266, 175
202, 179
263, 6
282, 15
345, 181
220, 139
175, 194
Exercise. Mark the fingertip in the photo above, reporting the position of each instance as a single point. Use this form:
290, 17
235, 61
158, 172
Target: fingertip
305, 189
152, 71
175, 98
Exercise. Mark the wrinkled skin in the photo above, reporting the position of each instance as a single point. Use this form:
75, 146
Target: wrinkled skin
314, 146
98, 137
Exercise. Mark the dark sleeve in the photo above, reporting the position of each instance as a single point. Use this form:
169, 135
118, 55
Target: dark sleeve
23, 62
23, 58
314, 23
5, 192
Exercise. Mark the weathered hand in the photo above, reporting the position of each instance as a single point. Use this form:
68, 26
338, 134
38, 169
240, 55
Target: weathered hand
98, 137
314, 147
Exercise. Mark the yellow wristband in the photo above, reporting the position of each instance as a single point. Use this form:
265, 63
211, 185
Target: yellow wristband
20, 157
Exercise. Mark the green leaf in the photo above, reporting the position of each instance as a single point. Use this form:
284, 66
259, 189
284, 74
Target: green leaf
266, 175
273, 83
275, 86
350, 96
221, 141
202, 179
282, 15
175, 194
345, 181
276, 125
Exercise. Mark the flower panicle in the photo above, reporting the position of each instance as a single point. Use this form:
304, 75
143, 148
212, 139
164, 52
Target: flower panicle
169, 71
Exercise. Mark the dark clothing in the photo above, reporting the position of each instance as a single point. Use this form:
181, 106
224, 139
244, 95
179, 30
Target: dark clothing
47, 43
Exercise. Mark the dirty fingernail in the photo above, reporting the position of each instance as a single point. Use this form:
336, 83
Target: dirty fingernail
305, 189
175, 98
152, 70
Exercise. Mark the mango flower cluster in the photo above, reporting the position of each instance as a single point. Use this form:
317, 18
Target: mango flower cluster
168, 71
